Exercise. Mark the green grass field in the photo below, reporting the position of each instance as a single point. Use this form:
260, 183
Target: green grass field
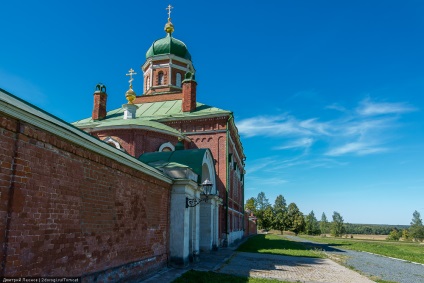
274, 244
212, 277
407, 251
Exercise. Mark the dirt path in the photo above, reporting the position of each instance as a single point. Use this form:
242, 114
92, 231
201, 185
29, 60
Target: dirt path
290, 268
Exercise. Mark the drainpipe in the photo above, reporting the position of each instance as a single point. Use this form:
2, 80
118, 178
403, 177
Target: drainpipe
227, 179
242, 203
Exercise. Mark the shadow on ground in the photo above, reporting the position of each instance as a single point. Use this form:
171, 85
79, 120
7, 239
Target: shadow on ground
277, 244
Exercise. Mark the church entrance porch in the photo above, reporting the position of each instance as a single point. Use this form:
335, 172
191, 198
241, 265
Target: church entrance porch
194, 221
194, 228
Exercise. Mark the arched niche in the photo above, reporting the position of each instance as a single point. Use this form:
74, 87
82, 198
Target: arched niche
166, 147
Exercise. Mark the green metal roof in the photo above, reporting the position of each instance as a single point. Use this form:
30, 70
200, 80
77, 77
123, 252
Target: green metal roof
137, 122
193, 158
168, 45
150, 115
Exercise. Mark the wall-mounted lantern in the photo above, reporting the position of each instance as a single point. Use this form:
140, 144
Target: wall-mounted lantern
207, 188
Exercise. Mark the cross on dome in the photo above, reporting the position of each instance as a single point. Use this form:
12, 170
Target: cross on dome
131, 73
169, 8
169, 27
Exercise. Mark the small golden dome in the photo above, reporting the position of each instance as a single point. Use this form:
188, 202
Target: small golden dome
130, 95
169, 27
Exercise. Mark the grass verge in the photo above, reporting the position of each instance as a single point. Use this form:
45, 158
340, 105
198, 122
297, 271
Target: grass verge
401, 250
212, 277
384, 281
274, 244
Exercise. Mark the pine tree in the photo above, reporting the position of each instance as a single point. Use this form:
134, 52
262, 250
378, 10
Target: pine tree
267, 218
280, 214
323, 224
311, 224
262, 204
416, 231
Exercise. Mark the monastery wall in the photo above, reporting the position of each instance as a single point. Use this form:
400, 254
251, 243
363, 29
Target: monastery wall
66, 210
250, 227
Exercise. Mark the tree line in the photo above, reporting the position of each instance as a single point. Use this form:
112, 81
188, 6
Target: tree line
283, 217
372, 229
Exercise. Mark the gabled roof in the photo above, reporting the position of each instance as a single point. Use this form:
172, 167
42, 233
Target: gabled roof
153, 111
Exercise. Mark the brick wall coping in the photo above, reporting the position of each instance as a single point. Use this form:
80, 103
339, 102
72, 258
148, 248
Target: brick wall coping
24, 111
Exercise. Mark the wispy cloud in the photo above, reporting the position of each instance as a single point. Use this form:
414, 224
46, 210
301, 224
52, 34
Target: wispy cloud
359, 148
369, 108
281, 125
336, 106
364, 130
299, 143
262, 163
261, 183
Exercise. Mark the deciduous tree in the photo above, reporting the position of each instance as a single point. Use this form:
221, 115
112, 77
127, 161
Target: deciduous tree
262, 204
251, 204
295, 220
405, 235
337, 226
394, 235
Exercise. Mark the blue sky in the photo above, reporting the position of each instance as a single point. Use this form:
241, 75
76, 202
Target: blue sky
327, 95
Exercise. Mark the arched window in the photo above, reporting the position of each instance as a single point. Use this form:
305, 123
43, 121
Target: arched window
178, 83
160, 78
147, 82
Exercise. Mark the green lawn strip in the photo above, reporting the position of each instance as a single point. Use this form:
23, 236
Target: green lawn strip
212, 277
274, 244
401, 250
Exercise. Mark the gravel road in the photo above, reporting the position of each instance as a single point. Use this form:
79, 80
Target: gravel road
374, 265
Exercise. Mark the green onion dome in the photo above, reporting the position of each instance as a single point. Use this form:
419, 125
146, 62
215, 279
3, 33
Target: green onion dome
168, 45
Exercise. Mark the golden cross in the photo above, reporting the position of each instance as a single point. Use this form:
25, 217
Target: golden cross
131, 73
169, 11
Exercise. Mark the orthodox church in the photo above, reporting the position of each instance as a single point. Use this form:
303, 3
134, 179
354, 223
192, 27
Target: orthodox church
168, 129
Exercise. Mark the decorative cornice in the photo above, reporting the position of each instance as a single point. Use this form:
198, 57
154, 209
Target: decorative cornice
192, 117
167, 57
205, 132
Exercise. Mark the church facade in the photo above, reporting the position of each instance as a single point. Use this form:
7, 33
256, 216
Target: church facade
168, 118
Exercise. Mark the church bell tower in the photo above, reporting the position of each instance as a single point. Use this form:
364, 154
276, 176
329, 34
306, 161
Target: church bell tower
167, 63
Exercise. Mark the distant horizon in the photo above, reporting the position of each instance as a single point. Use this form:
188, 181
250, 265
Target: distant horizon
327, 97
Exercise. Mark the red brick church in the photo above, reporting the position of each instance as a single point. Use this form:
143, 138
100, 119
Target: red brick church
167, 117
